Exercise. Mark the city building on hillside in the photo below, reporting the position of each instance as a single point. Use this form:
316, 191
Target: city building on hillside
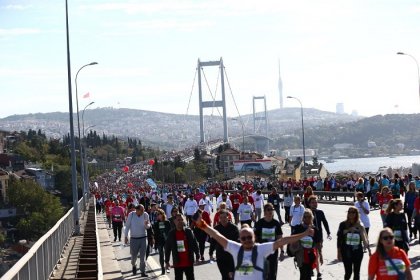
4, 183
343, 146
44, 178
293, 154
291, 169
12, 162
339, 108
226, 159
371, 144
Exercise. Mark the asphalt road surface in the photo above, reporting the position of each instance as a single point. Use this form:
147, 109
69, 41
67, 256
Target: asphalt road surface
332, 269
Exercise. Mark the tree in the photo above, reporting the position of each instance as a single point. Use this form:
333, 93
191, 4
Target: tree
40, 209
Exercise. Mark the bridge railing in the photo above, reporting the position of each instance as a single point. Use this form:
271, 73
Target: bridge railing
39, 262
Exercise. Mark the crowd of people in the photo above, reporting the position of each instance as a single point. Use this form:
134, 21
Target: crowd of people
245, 234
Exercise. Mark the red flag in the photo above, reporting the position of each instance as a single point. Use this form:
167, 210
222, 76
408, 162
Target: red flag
86, 95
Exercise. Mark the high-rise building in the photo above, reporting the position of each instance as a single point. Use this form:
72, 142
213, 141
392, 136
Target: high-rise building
280, 89
339, 108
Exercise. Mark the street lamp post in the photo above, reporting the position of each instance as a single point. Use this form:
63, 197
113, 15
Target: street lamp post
78, 128
86, 173
83, 165
417, 64
303, 134
72, 145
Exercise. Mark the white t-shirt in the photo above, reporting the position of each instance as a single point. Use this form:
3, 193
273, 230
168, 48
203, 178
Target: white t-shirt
245, 211
258, 200
246, 271
228, 203
296, 212
364, 218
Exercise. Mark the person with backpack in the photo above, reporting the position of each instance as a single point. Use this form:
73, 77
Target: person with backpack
319, 220
248, 256
268, 229
306, 255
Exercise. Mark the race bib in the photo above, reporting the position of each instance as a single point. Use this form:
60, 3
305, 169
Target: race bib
268, 234
384, 206
246, 268
307, 242
352, 239
247, 212
180, 246
275, 202
161, 225
398, 235
236, 201
390, 269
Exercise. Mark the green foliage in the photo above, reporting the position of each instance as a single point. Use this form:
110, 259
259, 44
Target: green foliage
41, 210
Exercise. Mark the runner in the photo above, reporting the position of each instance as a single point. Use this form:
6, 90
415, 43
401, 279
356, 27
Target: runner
274, 198
364, 210
384, 197
236, 200
397, 221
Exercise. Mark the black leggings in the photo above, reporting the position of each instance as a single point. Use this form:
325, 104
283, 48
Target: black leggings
305, 272
201, 239
352, 261
189, 272
161, 249
411, 229
225, 266
117, 228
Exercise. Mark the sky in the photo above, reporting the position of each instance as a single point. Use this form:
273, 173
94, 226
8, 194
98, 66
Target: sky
329, 52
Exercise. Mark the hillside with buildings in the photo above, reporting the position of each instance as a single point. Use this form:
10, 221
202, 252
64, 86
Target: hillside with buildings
171, 131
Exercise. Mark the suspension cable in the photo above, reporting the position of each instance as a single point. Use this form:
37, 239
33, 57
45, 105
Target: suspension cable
233, 97
192, 89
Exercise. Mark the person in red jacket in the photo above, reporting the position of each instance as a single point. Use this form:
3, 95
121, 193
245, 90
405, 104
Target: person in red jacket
384, 197
236, 200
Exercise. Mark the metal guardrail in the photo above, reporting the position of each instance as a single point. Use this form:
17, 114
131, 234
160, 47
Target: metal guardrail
39, 262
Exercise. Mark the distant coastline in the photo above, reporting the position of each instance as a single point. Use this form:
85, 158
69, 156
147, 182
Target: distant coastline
369, 164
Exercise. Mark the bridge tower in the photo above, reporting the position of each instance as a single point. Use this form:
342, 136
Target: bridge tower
261, 144
215, 103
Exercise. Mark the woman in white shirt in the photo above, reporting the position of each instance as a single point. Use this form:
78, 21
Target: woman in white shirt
259, 203
190, 208
296, 213
246, 212
364, 209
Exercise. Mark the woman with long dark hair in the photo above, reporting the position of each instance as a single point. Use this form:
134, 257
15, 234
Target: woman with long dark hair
161, 229
351, 240
396, 220
389, 261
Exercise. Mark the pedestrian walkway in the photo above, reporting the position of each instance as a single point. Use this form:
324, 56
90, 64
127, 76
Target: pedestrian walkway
116, 258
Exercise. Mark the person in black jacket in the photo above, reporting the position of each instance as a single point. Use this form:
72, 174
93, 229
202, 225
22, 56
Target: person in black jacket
397, 221
268, 229
351, 240
319, 220
274, 198
182, 244
224, 259
161, 229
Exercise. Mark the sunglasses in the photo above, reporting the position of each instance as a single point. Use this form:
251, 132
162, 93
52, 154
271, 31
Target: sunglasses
389, 237
246, 238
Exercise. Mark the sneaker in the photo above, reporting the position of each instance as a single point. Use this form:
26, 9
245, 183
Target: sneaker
143, 274
319, 275
134, 270
168, 271
202, 258
115, 239
163, 271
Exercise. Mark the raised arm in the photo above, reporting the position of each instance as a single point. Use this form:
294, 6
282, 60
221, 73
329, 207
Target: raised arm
201, 224
293, 238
